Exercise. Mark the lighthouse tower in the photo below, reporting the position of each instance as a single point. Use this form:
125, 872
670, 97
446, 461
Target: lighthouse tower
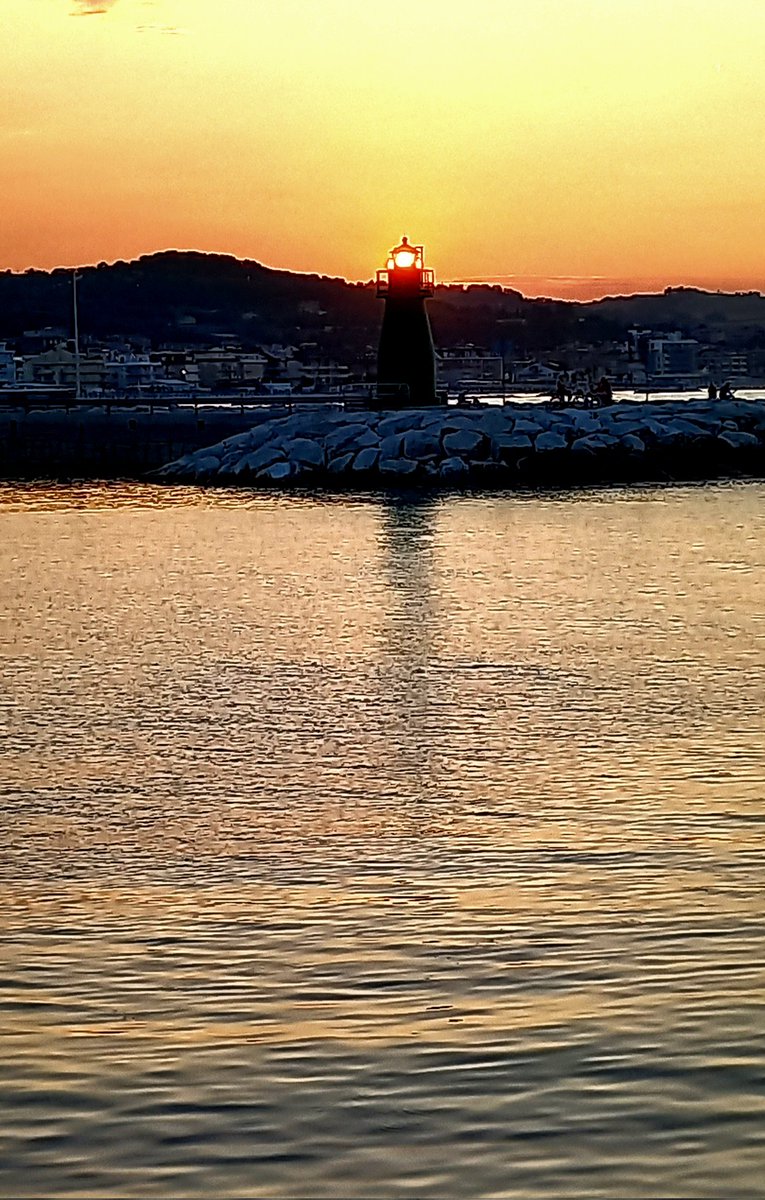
406, 363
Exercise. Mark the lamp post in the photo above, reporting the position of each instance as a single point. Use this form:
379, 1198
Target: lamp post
406, 362
77, 381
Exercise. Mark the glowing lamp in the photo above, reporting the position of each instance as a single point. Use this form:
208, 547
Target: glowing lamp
404, 271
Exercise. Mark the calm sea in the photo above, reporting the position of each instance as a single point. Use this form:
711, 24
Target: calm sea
377, 847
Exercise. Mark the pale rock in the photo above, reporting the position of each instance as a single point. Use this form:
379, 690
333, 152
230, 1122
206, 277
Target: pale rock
336, 466
276, 471
738, 438
633, 443
549, 440
206, 466
421, 444
495, 421
587, 445
343, 435
453, 468
304, 451
264, 456
397, 466
506, 446
467, 442
399, 422
315, 423
366, 459
258, 436
390, 445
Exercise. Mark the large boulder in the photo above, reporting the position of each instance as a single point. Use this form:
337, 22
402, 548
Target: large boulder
397, 467
337, 466
632, 443
454, 468
366, 459
509, 447
494, 421
465, 443
390, 446
259, 435
277, 471
523, 425
206, 467
399, 422
264, 456
549, 440
304, 451
737, 439
343, 435
422, 444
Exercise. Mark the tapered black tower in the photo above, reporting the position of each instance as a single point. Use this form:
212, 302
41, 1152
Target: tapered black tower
406, 362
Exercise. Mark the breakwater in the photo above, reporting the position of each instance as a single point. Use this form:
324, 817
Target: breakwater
490, 445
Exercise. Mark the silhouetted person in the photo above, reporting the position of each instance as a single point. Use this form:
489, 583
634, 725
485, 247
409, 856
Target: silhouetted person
559, 394
726, 391
604, 393
712, 391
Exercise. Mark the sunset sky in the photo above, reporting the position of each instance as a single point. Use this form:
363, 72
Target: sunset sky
565, 147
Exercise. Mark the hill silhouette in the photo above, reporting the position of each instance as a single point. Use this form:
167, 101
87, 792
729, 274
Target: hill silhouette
196, 298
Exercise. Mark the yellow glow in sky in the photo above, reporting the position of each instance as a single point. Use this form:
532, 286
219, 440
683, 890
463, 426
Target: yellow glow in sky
563, 141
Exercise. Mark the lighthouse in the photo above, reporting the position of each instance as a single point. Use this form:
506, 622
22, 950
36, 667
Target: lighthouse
406, 362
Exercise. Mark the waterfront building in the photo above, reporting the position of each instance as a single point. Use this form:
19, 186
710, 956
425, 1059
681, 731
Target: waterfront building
7, 365
464, 366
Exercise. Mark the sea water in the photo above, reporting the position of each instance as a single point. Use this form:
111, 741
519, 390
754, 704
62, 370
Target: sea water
382, 846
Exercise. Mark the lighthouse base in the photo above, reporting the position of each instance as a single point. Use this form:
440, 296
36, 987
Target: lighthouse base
406, 363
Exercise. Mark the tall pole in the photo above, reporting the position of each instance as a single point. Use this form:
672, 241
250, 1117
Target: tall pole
77, 381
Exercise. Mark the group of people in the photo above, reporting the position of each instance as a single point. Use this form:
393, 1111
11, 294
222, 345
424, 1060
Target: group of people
724, 393
579, 388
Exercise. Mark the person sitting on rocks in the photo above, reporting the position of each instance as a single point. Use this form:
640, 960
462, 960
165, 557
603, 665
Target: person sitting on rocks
726, 391
712, 391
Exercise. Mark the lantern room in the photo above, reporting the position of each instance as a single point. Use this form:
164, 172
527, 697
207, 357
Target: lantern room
404, 273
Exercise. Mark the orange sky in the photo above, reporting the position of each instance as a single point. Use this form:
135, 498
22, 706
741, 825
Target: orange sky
567, 147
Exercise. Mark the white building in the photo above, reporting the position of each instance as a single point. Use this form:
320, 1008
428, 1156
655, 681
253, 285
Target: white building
7, 365
464, 366
126, 372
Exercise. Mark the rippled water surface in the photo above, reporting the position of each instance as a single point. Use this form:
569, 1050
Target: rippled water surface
382, 848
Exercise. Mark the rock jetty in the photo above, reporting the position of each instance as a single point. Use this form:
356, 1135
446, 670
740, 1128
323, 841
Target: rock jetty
512, 445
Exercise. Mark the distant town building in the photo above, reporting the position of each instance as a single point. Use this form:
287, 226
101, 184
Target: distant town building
128, 372
7, 365
58, 367
229, 368
463, 366
673, 355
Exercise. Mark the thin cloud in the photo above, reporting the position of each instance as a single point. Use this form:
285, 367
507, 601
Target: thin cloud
91, 8
172, 30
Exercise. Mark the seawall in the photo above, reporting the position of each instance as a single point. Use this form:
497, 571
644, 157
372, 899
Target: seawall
97, 443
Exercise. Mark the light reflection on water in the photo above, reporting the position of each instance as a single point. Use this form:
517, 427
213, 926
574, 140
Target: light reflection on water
361, 847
